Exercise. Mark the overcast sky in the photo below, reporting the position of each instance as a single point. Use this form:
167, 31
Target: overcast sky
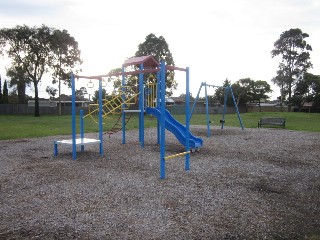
216, 39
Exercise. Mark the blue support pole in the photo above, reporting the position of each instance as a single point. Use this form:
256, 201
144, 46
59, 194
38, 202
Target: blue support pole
162, 120
73, 121
141, 107
187, 160
236, 107
224, 106
55, 148
158, 105
207, 111
100, 117
123, 107
81, 129
195, 101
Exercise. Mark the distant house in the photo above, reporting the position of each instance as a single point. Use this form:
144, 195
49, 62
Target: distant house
181, 101
64, 99
308, 107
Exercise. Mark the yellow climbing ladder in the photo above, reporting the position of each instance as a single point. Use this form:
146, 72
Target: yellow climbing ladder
121, 100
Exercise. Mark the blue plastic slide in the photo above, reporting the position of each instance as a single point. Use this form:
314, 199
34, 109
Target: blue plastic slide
176, 128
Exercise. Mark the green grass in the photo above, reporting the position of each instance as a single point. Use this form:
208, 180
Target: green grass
26, 126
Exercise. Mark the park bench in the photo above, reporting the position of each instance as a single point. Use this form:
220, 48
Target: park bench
272, 121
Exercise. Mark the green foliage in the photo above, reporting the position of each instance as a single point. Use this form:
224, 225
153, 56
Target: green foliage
19, 79
5, 94
38, 50
218, 98
95, 96
295, 60
307, 90
159, 49
0, 90
245, 90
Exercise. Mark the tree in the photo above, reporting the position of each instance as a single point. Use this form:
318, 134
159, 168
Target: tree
36, 51
294, 50
241, 90
51, 91
258, 91
66, 57
19, 79
307, 90
220, 92
95, 96
158, 48
0, 90
5, 94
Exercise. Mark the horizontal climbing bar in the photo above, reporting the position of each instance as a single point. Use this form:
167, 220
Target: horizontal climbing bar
176, 155
132, 111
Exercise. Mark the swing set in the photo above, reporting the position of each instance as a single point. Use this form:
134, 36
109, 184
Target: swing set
227, 90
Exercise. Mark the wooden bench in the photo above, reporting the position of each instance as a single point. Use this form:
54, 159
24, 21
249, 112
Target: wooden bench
272, 121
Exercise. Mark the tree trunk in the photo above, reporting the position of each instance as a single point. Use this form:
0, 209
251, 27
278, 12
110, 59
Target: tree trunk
260, 106
289, 102
59, 107
36, 100
21, 87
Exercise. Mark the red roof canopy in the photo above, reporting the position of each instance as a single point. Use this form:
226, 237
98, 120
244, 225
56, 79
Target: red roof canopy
148, 61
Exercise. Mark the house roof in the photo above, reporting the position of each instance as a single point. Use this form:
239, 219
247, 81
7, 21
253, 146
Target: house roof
148, 61
307, 104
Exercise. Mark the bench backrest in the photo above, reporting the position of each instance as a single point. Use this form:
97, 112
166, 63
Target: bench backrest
272, 120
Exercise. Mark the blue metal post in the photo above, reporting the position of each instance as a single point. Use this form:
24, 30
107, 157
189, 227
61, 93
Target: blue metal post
236, 107
55, 148
141, 107
162, 120
73, 121
158, 105
187, 161
100, 117
81, 129
195, 101
224, 106
207, 111
123, 83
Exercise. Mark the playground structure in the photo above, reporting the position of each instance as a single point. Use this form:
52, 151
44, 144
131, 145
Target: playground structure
151, 99
228, 89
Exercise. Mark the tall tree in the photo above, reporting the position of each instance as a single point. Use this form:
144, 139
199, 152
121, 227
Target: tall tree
20, 80
159, 49
5, 94
34, 50
307, 90
241, 89
0, 90
66, 57
220, 92
294, 51
259, 90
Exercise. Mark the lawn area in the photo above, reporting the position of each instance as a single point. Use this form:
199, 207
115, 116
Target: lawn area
28, 126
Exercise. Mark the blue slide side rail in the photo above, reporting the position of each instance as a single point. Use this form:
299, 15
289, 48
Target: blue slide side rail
176, 128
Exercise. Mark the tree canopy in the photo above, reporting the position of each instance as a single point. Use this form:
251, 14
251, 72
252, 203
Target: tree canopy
38, 50
307, 90
295, 60
245, 91
159, 49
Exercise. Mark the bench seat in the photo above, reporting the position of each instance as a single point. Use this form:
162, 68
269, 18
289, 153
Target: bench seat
272, 121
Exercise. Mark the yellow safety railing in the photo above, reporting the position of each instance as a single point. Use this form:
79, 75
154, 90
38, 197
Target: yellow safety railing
151, 94
176, 155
